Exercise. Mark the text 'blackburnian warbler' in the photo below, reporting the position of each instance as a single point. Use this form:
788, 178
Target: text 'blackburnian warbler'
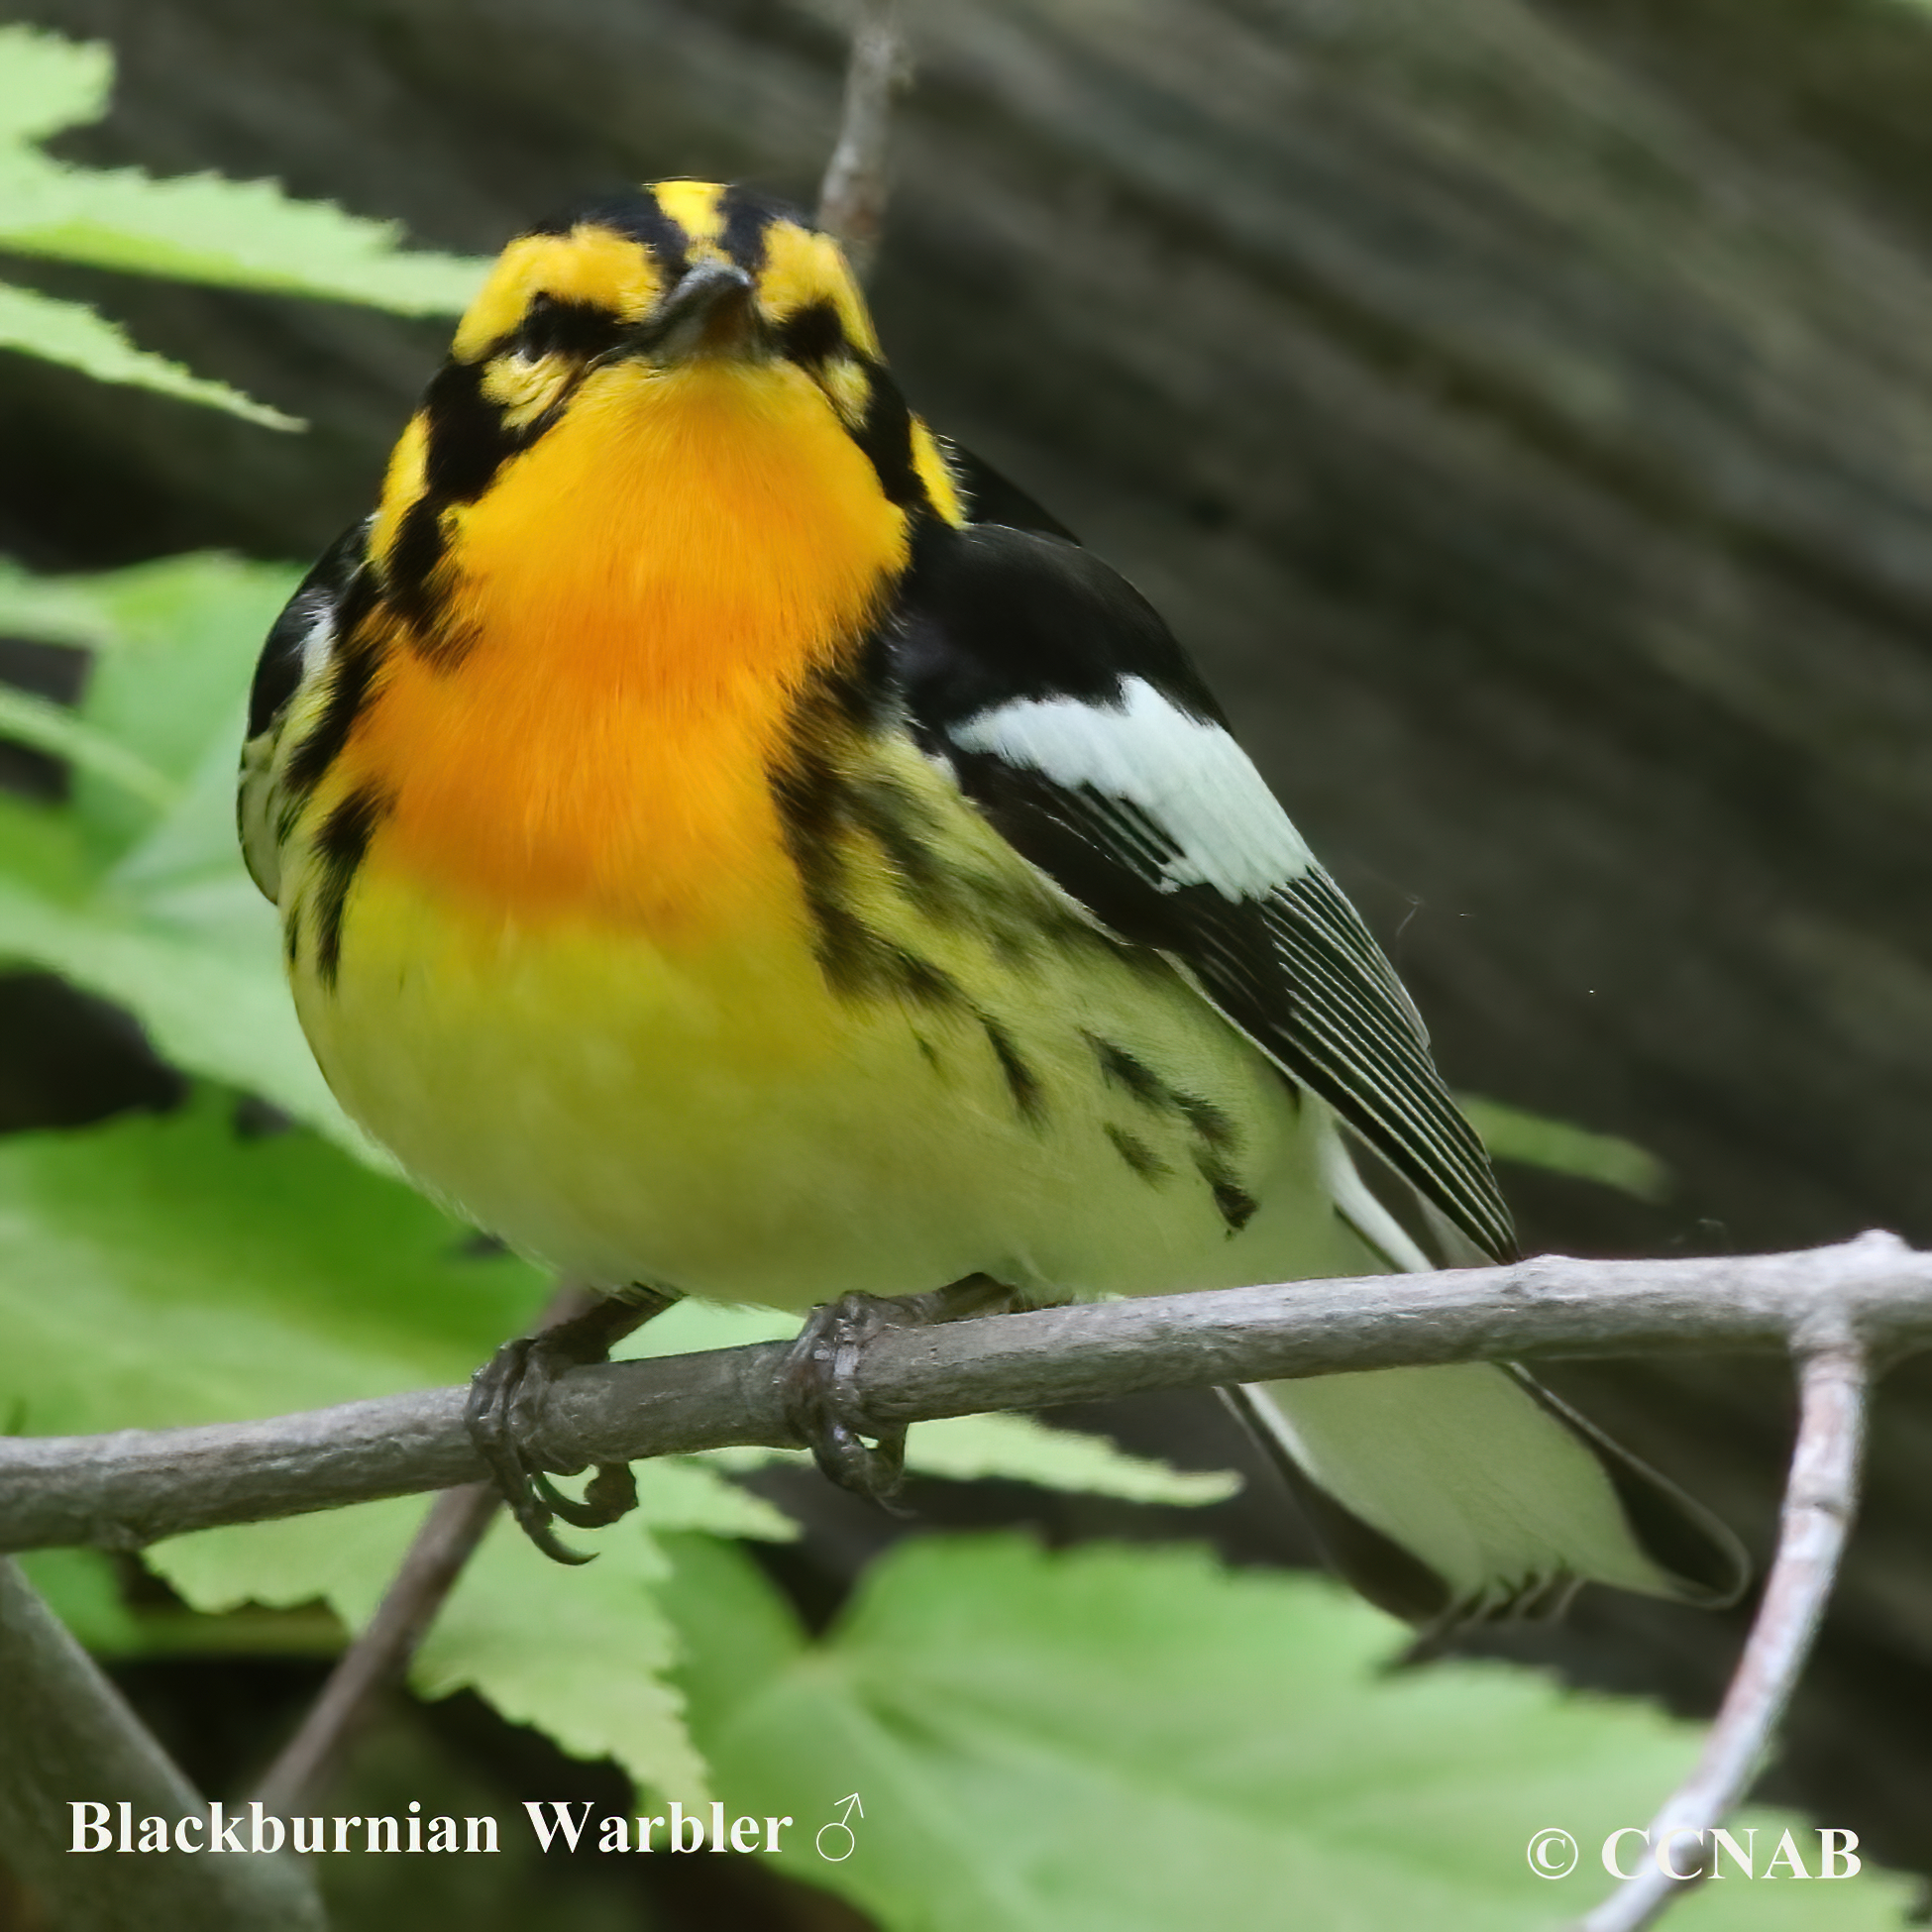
729, 844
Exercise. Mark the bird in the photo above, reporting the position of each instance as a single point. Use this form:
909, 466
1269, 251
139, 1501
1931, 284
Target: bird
731, 842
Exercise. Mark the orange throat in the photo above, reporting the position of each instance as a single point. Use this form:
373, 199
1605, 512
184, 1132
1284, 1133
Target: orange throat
636, 606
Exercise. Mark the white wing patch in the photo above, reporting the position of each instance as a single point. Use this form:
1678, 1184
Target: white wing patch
1191, 780
319, 642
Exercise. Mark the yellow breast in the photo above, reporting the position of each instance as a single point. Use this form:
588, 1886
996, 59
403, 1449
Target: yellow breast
633, 612
582, 987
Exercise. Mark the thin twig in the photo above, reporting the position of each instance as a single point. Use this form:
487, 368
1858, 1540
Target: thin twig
125, 1490
852, 198
379, 1654
1820, 1500
70, 1738
381, 1651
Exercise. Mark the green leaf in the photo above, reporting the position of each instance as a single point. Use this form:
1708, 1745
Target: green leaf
1532, 1140
73, 334
1106, 1740
164, 1271
968, 1448
580, 1654
583, 1654
201, 228
48, 84
55, 609
80, 1587
211, 999
151, 909
234, 234
54, 729
171, 682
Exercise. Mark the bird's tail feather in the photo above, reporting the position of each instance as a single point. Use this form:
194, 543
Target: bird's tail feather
1458, 1494
1467, 1492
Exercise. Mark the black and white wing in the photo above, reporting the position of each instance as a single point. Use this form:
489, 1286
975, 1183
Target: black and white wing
297, 653
1076, 723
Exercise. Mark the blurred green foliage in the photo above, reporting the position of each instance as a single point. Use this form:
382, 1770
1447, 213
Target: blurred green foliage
234, 234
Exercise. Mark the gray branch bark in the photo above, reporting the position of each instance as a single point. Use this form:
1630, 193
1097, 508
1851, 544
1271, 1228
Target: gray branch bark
1820, 1502
852, 196
124, 1491
66, 1736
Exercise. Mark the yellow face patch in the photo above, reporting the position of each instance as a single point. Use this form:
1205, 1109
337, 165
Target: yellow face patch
401, 486
524, 386
592, 265
801, 268
562, 312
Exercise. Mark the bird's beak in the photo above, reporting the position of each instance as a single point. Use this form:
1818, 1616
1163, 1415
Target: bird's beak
709, 312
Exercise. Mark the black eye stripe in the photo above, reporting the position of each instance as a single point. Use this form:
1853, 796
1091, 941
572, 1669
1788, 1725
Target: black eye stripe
812, 334
554, 326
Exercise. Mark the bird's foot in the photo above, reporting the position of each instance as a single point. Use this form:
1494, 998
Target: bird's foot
822, 1402
505, 1412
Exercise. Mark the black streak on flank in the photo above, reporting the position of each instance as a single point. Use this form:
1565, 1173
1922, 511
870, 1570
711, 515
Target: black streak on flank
1120, 1069
1234, 1202
917, 978
1209, 1121
894, 821
1213, 1131
341, 845
1138, 1154
823, 809
292, 936
1021, 1082
355, 659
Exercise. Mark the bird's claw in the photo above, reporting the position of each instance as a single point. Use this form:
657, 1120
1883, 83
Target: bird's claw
506, 1407
823, 1402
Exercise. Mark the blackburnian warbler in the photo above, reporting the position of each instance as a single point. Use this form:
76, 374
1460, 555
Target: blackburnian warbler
729, 844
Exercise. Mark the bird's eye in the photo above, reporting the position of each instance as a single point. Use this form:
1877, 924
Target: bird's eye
576, 330
812, 334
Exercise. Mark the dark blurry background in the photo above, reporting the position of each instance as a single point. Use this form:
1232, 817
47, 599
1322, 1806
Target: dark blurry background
1525, 412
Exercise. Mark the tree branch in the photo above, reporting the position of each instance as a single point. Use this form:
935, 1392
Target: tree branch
852, 198
380, 1652
124, 1491
1820, 1501
69, 1736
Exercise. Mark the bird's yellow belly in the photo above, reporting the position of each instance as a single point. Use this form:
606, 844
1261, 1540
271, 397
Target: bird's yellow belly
724, 1122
